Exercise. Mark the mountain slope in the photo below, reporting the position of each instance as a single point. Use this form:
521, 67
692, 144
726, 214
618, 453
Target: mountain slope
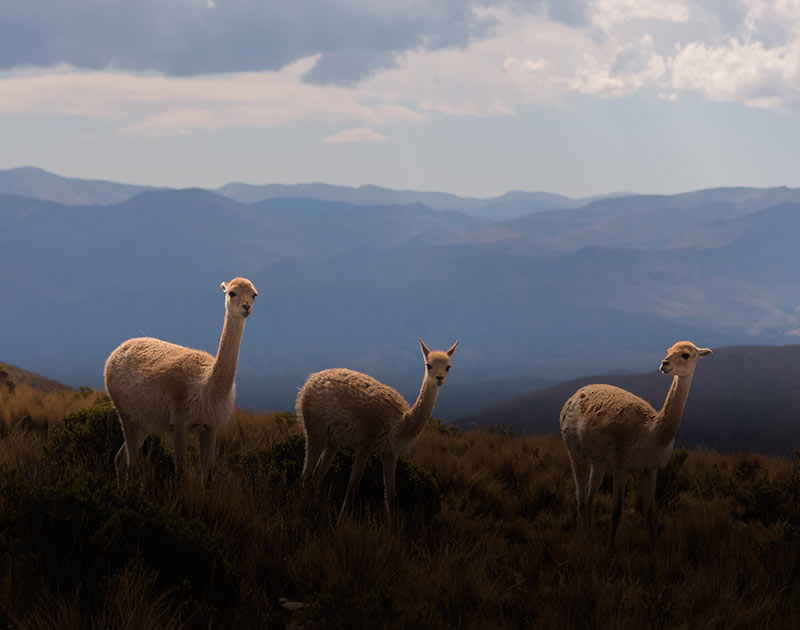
31, 379
33, 182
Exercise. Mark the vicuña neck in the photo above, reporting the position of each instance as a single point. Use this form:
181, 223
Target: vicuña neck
669, 418
224, 369
415, 419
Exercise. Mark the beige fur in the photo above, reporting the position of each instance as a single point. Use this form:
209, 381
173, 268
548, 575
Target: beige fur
605, 427
159, 387
342, 407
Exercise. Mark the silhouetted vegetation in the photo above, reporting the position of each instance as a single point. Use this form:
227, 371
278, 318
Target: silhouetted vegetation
6, 380
485, 537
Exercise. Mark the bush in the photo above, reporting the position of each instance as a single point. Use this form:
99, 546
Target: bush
79, 534
5, 379
763, 500
88, 440
438, 425
417, 490
672, 480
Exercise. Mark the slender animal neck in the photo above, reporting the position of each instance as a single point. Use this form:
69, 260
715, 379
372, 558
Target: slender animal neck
224, 370
415, 419
669, 418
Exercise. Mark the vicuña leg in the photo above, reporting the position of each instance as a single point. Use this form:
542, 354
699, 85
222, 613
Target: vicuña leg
359, 464
127, 459
313, 451
325, 461
580, 473
208, 449
596, 473
180, 444
647, 490
616, 505
389, 477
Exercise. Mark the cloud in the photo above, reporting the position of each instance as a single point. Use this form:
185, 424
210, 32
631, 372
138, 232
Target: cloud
631, 68
747, 72
754, 61
607, 13
748, 53
526, 61
192, 37
158, 105
359, 134
399, 62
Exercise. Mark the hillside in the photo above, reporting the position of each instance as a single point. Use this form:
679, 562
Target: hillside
742, 397
35, 381
33, 182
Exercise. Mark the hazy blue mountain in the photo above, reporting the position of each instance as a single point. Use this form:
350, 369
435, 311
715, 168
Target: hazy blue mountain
39, 184
29, 181
697, 219
741, 398
354, 286
509, 205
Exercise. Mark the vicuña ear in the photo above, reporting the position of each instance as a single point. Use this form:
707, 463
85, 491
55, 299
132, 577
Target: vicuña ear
223, 286
425, 351
452, 349
704, 352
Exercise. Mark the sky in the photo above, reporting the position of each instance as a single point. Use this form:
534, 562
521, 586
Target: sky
472, 97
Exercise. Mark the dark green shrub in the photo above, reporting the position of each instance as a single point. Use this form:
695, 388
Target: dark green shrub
5, 379
416, 489
764, 500
88, 440
672, 479
438, 425
285, 458
78, 534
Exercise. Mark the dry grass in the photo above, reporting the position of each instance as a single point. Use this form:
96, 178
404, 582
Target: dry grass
504, 551
25, 407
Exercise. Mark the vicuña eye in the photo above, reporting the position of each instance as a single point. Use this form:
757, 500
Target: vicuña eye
231, 294
685, 355
447, 368
255, 295
429, 366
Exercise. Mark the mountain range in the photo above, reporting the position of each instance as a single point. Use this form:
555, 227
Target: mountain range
29, 181
540, 290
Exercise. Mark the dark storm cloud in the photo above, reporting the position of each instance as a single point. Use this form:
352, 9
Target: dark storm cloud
188, 37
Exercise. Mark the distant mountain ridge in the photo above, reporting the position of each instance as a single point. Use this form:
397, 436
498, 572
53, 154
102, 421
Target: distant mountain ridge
39, 184
29, 181
511, 204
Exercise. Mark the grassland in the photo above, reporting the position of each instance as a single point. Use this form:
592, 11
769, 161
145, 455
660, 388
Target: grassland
499, 549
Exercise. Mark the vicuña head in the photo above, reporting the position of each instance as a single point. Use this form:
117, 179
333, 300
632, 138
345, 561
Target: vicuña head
341, 407
681, 359
437, 363
158, 386
607, 428
239, 296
